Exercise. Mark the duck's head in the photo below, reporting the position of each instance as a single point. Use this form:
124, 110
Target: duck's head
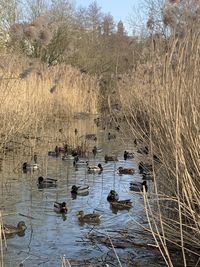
21, 226
74, 189
24, 165
100, 167
63, 205
120, 168
113, 192
40, 179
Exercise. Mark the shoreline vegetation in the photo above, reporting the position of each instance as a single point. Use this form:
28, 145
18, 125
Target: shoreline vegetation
161, 105
150, 83
36, 97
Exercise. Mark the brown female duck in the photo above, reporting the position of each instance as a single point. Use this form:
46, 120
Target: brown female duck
126, 170
12, 230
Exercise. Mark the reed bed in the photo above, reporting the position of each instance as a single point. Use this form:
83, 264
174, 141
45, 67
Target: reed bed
34, 96
161, 103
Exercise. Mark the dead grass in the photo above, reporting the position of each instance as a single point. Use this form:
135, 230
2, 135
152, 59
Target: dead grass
33, 95
161, 104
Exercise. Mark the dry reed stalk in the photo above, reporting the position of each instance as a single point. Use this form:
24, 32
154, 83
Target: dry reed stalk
2, 237
26, 105
162, 99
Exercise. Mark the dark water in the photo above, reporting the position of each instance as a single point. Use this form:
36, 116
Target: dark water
48, 236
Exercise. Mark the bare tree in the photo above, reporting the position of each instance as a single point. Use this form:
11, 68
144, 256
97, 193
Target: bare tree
94, 16
108, 24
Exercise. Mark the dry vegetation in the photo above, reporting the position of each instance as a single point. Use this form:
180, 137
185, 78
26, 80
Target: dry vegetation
161, 104
35, 95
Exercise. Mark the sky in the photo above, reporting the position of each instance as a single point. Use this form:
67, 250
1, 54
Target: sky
119, 9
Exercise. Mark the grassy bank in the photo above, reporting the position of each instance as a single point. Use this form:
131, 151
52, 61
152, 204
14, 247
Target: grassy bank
160, 101
34, 96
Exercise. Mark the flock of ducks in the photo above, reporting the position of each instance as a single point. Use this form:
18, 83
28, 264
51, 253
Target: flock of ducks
113, 198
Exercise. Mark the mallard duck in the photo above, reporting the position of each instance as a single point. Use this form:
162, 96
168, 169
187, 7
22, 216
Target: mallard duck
117, 128
144, 167
30, 166
143, 150
138, 187
46, 182
110, 158
128, 155
121, 204
126, 170
81, 163
60, 207
156, 158
147, 176
67, 157
11, 230
112, 196
53, 154
93, 169
111, 136
89, 218
80, 190
91, 137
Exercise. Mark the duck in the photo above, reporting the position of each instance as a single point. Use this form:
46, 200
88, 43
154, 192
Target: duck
91, 137
93, 169
128, 155
147, 176
144, 167
53, 153
80, 190
60, 207
138, 186
143, 150
156, 158
110, 158
30, 166
46, 182
89, 218
67, 157
112, 196
111, 136
78, 163
126, 170
121, 204
11, 229
117, 128
96, 150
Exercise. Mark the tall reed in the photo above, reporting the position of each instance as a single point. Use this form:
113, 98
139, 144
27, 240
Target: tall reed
33, 95
161, 102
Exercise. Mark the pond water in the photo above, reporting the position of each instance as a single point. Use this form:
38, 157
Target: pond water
49, 236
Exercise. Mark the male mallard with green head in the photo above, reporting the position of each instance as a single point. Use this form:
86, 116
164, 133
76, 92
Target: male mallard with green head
94, 169
60, 207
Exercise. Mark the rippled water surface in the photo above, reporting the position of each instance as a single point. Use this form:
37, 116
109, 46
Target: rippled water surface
49, 236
